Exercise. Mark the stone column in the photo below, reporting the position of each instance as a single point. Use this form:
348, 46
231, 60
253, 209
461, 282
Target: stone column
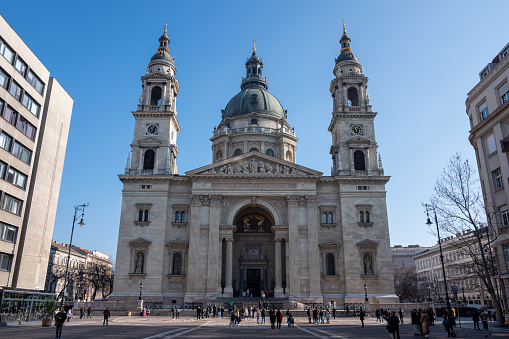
278, 289
212, 260
315, 293
194, 248
352, 163
228, 290
220, 266
156, 162
293, 236
368, 160
287, 266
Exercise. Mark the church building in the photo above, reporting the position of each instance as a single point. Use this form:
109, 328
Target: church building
254, 219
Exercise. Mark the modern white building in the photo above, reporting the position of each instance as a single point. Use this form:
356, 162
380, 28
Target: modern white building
254, 219
487, 108
35, 113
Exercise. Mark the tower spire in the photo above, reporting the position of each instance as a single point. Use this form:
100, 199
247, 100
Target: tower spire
254, 46
164, 41
345, 41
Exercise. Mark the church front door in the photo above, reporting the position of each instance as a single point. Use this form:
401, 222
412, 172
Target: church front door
253, 277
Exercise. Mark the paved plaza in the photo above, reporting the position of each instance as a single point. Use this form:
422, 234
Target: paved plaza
188, 327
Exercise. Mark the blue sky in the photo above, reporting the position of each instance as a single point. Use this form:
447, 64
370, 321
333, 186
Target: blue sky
422, 58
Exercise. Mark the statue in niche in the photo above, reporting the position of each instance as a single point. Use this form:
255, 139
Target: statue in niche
140, 258
368, 264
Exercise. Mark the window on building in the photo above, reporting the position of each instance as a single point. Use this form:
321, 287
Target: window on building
183, 216
353, 97
27, 128
331, 267
5, 261
361, 216
237, 152
8, 232
177, 263
505, 217
254, 150
497, 179
35, 81
503, 92
15, 90
10, 115
506, 252
324, 218
4, 78
5, 141
11, 204
483, 111
155, 96
31, 105
492, 146
269, 152
366, 213
20, 66
3, 169
16, 178
6, 51
254, 121
149, 159
21, 152
330, 220
177, 216
143, 215
359, 162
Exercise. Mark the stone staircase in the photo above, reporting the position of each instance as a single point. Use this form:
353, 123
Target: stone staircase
283, 303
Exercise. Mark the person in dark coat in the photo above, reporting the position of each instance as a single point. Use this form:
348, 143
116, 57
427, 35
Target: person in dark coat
361, 316
106, 314
416, 321
198, 312
272, 316
59, 321
475, 318
447, 325
393, 326
279, 319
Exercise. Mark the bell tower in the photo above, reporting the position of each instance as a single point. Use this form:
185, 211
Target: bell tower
154, 147
354, 149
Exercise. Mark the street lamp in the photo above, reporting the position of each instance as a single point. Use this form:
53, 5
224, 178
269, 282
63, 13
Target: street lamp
429, 292
365, 296
429, 223
141, 288
77, 209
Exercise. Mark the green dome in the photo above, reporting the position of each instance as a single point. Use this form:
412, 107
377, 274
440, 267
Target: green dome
162, 55
251, 100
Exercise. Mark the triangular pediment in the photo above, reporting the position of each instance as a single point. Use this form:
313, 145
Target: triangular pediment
367, 243
358, 140
330, 243
140, 242
148, 141
254, 163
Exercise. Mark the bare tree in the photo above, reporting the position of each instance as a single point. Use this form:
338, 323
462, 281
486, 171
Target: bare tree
406, 284
99, 277
461, 209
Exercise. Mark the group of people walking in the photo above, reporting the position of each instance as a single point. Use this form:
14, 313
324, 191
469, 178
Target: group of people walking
320, 316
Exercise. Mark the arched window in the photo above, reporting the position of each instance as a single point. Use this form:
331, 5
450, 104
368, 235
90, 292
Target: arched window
329, 261
330, 218
324, 218
254, 149
177, 216
361, 216
358, 160
367, 216
269, 152
155, 96
177, 263
289, 156
148, 160
237, 152
353, 97
183, 217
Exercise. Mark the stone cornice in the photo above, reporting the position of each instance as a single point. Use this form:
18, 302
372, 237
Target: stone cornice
487, 81
495, 116
255, 176
355, 179
161, 178
349, 115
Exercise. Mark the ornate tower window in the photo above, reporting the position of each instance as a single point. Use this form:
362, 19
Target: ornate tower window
155, 96
365, 219
327, 219
149, 159
353, 96
177, 263
359, 161
142, 219
330, 264
180, 215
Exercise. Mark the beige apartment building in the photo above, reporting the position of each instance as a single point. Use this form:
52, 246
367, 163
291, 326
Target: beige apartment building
487, 107
35, 115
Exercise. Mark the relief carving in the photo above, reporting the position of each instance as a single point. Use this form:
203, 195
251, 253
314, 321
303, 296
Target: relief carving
255, 166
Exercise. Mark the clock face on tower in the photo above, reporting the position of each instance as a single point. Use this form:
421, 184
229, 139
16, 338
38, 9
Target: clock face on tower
356, 129
151, 129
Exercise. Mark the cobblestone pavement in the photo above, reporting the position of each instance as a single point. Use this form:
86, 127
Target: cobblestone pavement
188, 327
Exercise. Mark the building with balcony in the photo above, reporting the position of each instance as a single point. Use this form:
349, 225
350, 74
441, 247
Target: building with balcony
35, 113
487, 107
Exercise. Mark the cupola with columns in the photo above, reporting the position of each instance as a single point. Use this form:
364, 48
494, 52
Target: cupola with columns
354, 149
154, 147
254, 120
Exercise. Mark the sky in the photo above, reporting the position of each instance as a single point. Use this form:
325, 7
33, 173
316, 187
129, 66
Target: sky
422, 58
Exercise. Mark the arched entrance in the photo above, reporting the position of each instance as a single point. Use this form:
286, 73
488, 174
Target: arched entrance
253, 252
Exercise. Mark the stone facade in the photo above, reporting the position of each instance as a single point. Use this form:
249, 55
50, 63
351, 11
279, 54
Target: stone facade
487, 107
254, 219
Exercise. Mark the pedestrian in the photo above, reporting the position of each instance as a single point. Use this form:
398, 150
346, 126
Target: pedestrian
89, 312
414, 316
263, 315
334, 311
106, 314
378, 314
59, 321
173, 313
82, 312
447, 325
69, 314
475, 319
279, 319
425, 324
484, 319
315, 316
272, 318
347, 310
393, 326
361, 316
327, 316
198, 313
232, 320
401, 316
177, 312
309, 314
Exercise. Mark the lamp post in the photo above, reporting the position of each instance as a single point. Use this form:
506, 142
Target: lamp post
429, 292
141, 288
79, 212
429, 223
365, 296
